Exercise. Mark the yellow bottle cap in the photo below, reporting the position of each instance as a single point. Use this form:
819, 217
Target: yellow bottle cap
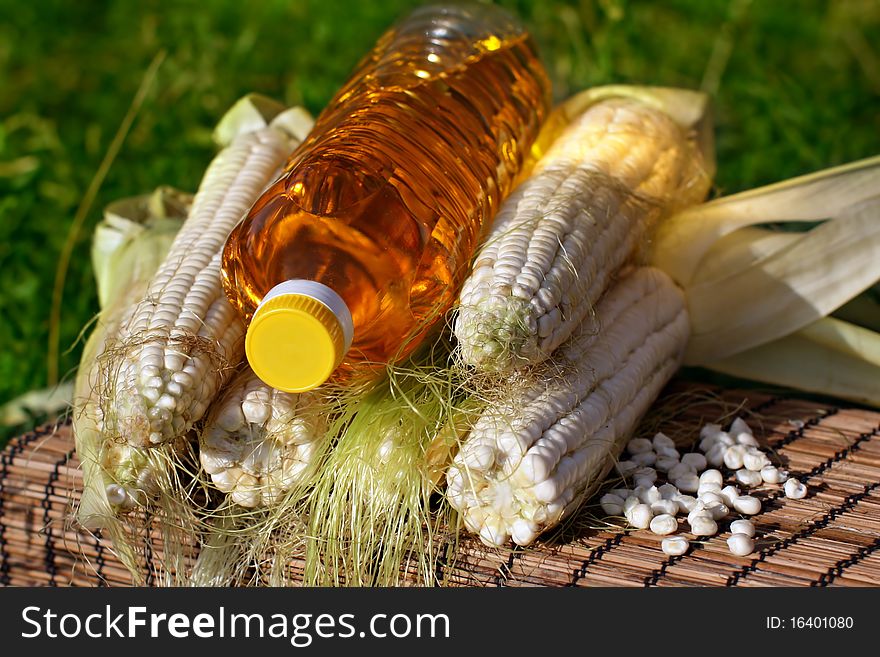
298, 336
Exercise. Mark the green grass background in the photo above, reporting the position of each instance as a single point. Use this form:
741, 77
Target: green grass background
796, 86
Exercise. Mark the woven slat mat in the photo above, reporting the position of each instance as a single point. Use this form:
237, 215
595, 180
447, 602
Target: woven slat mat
830, 538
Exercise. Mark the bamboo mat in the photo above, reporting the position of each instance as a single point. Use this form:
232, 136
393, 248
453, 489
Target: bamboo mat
830, 538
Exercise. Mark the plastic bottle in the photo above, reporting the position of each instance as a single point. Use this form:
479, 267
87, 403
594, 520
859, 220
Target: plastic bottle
359, 249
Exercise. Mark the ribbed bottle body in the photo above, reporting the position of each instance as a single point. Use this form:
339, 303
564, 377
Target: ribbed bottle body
386, 200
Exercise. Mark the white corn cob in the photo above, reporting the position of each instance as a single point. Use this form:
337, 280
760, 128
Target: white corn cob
258, 442
533, 455
586, 209
129, 245
175, 345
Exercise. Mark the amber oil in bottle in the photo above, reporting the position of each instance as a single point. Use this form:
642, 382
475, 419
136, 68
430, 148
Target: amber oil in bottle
385, 202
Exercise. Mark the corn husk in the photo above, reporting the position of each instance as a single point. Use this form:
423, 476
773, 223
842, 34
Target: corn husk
129, 244
758, 298
828, 357
801, 277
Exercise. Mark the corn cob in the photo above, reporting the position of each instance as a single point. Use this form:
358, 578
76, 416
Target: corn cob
258, 442
175, 343
586, 209
129, 245
532, 456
